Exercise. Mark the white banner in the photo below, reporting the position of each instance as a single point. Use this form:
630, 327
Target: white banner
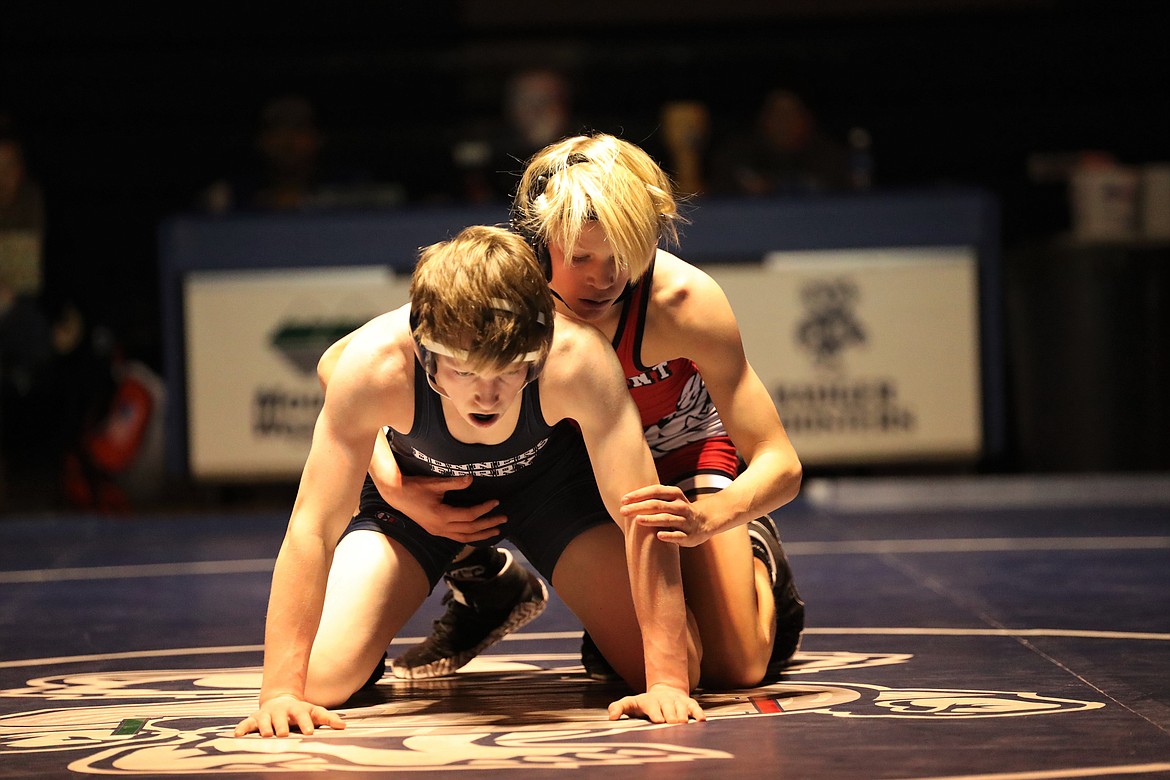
253, 339
871, 355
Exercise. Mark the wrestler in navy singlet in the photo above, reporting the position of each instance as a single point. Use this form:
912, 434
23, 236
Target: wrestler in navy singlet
429, 449
541, 474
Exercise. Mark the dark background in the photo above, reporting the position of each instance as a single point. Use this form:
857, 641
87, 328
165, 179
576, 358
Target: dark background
129, 111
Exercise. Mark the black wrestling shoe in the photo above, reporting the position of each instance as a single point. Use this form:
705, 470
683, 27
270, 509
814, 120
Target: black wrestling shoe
766, 546
594, 662
478, 615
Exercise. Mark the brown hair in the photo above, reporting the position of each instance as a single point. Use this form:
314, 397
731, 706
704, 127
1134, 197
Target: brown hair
482, 292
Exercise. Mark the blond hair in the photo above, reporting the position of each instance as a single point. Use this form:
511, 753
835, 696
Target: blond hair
482, 293
603, 178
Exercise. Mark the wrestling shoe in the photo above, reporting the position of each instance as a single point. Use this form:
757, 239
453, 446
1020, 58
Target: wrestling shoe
594, 662
766, 546
478, 615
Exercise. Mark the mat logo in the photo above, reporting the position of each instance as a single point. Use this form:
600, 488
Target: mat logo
180, 721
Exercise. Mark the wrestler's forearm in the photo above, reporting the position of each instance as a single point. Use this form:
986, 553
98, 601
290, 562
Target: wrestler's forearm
294, 612
770, 481
656, 584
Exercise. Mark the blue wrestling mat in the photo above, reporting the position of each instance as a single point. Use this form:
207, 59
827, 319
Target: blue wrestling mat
974, 628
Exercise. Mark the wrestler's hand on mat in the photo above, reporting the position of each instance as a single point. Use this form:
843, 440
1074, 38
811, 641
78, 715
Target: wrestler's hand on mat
660, 704
279, 714
667, 508
422, 499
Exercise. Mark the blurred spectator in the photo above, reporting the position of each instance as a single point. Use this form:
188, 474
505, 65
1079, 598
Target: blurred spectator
288, 143
537, 110
115, 462
291, 174
22, 220
89, 433
785, 153
24, 331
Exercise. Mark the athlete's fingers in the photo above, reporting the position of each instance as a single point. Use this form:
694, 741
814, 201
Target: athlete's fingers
264, 725
246, 726
324, 717
680, 508
680, 712
443, 484
644, 706
662, 520
697, 711
476, 529
651, 505
674, 537
304, 721
280, 725
472, 514
651, 492
479, 523
468, 538
627, 705
653, 711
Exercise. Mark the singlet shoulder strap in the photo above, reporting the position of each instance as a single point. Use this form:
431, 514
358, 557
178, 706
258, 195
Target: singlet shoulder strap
426, 404
531, 415
627, 339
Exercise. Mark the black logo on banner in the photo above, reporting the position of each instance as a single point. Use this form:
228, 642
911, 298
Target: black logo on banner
283, 413
830, 325
836, 403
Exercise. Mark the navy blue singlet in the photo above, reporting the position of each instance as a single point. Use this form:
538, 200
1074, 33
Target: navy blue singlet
541, 475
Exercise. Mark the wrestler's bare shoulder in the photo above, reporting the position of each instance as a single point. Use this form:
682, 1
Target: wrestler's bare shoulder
582, 378
573, 342
380, 349
683, 295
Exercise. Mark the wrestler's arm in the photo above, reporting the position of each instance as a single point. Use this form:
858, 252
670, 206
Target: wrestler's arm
702, 326
420, 497
589, 380
330, 483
